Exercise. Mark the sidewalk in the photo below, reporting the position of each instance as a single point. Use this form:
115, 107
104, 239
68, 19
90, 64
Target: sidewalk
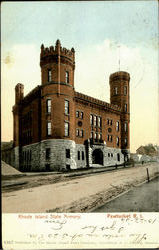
77, 195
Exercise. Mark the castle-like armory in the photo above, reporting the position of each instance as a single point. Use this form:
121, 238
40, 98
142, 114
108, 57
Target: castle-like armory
57, 128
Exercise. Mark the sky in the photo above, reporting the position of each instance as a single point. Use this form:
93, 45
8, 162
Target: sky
101, 32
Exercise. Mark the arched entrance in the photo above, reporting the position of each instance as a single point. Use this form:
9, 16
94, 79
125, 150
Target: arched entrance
97, 156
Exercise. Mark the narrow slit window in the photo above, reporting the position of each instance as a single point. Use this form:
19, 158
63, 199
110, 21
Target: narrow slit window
49, 75
67, 107
92, 135
67, 153
47, 155
125, 90
83, 155
91, 119
117, 126
48, 105
77, 131
77, 114
49, 128
116, 90
125, 126
66, 129
117, 141
125, 107
78, 155
99, 122
67, 77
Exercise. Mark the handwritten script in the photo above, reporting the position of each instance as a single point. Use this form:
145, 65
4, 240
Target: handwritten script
88, 230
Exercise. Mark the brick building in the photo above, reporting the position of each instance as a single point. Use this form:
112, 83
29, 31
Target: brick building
56, 127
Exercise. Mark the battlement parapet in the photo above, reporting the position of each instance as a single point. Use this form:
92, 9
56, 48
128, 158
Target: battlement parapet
96, 101
119, 75
57, 50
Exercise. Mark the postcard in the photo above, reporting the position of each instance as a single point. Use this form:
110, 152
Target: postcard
80, 152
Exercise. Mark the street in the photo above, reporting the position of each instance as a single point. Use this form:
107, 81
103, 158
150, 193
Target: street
73, 194
144, 198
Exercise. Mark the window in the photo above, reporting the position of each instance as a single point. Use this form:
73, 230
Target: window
81, 133
92, 135
95, 120
47, 155
68, 167
118, 157
111, 122
116, 90
117, 141
91, 119
47, 167
66, 129
49, 75
99, 136
108, 154
99, 121
66, 107
77, 114
77, 131
125, 126
125, 107
83, 155
67, 77
111, 155
117, 126
67, 153
48, 106
109, 138
96, 135
125, 90
48, 128
78, 155
81, 115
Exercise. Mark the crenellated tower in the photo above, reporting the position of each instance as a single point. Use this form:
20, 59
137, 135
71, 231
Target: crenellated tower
57, 79
119, 95
57, 65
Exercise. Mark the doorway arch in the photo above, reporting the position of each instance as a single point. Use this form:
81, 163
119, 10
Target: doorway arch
97, 156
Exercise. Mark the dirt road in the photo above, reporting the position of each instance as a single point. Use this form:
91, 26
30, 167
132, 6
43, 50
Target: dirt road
143, 198
77, 195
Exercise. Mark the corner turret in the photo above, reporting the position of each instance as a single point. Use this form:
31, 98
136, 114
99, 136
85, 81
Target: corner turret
119, 95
